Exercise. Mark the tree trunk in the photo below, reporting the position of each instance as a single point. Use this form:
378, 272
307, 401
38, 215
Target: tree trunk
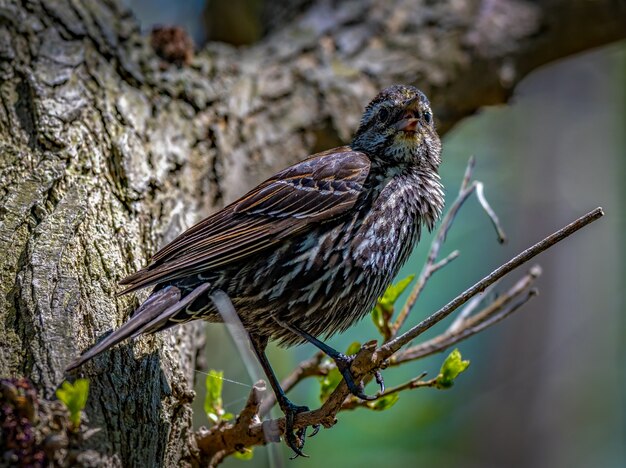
107, 153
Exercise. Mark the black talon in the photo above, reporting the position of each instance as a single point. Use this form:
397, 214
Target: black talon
379, 380
343, 365
316, 429
294, 441
301, 435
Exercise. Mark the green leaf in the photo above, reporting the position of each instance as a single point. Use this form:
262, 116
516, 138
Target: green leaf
74, 397
213, 397
246, 454
394, 291
450, 369
329, 382
384, 308
354, 348
378, 317
383, 403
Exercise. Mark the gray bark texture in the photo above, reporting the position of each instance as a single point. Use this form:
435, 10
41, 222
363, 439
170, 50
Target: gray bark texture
107, 152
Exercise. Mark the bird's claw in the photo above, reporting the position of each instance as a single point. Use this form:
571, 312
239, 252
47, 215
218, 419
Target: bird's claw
379, 380
295, 441
343, 365
316, 429
301, 437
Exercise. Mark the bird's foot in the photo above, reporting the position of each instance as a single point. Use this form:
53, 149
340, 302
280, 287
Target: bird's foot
343, 363
295, 441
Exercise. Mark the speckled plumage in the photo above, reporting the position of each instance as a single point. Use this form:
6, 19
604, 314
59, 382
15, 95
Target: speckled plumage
329, 277
313, 246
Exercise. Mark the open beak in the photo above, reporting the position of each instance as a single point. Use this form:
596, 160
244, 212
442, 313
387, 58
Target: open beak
407, 124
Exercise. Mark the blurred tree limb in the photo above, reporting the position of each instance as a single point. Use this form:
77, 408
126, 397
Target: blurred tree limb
106, 153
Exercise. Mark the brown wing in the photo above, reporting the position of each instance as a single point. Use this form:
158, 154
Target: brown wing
314, 190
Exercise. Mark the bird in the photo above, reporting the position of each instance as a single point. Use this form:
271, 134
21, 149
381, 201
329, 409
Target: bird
307, 252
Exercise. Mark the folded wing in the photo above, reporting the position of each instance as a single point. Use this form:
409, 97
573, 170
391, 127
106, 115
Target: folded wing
315, 190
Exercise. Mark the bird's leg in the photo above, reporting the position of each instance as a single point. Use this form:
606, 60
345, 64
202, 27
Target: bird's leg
342, 361
289, 408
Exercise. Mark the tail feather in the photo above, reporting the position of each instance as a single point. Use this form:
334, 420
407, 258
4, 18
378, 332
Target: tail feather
158, 322
166, 299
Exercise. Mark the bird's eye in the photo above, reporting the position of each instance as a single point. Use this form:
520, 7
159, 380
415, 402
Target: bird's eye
428, 117
383, 114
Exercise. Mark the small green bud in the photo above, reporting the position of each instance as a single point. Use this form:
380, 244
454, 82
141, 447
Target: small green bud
383, 403
450, 369
384, 308
246, 454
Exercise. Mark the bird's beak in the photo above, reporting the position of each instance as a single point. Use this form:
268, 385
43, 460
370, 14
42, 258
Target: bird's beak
407, 125
409, 122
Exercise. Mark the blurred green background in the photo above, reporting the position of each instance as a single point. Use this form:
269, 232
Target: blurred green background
545, 387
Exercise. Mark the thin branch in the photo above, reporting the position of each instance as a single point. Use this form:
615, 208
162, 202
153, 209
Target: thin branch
467, 176
442, 343
480, 194
442, 263
250, 413
416, 382
469, 308
435, 247
524, 284
497, 310
430, 267
394, 345
426, 273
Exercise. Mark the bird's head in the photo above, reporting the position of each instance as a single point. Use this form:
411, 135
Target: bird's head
397, 130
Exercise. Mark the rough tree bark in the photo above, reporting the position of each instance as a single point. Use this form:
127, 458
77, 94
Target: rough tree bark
105, 154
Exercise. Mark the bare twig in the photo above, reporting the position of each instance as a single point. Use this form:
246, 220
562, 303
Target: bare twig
480, 194
250, 413
416, 382
394, 345
523, 285
497, 310
430, 267
428, 270
461, 320
469, 308
444, 342
467, 176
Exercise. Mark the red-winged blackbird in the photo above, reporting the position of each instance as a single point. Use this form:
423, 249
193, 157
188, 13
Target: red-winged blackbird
307, 252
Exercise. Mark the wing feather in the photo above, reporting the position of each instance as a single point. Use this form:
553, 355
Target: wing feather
315, 190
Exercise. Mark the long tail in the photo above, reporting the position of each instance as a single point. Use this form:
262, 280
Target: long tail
151, 316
